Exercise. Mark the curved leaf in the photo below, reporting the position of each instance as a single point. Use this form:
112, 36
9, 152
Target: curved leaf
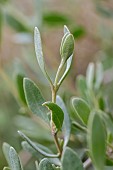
96, 139
6, 148
34, 99
68, 66
45, 165
27, 147
57, 114
14, 160
39, 53
70, 160
81, 109
66, 127
32, 144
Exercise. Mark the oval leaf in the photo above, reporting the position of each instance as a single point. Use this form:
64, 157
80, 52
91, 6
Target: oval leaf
6, 148
14, 160
39, 53
34, 99
66, 127
57, 114
45, 165
81, 109
32, 144
96, 140
90, 76
70, 160
67, 46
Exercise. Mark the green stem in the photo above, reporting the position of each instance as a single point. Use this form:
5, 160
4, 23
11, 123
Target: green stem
54, 133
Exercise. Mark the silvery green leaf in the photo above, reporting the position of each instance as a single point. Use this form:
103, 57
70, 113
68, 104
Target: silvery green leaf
99, 75
68, 66
57, 114
81, 86
14, 160
39, 53
27, 147
67, 46
35, 99
66, 30
66, 127
34, 146
6, 148
90, 76
81, 108
97, 139
70, 160
45, 165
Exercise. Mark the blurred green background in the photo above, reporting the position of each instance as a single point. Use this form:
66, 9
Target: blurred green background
90, 21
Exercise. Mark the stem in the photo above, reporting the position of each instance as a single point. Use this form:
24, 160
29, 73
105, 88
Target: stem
54, 133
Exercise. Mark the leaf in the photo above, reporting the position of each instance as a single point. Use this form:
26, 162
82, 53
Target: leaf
31, 150
99, 75
66, 30
81, 85
14, 160
70, 160
33, 145
19, 82
67, 46
54, 19
68, 66
57, 114
81, 109
90, 76
96, 139
45, 165
39, 53
6, 148
34, 99
66, 127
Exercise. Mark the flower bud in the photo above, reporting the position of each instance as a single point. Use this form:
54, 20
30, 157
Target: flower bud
67, 46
